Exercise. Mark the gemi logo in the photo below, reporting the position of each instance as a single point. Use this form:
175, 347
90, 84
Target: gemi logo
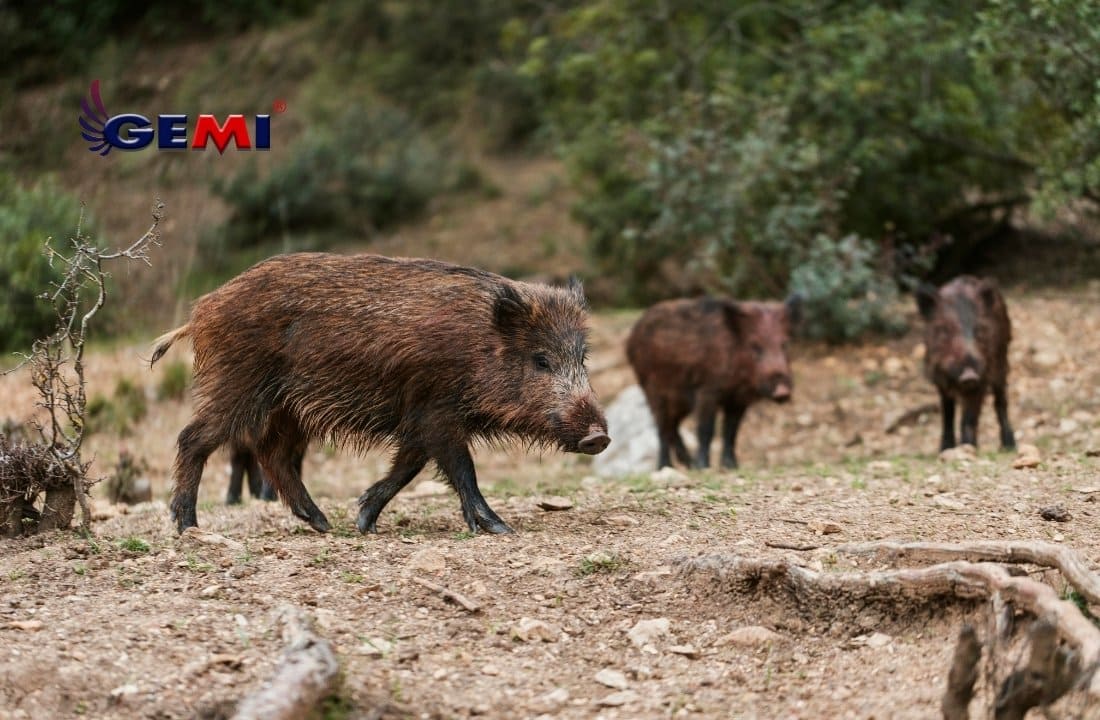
130, 131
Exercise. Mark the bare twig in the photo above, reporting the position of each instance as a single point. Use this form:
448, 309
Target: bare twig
458, 598
789, 546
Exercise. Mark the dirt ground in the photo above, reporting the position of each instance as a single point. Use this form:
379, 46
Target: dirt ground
135, 622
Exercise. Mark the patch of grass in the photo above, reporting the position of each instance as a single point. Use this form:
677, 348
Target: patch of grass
600, 562
120, 412
133, 544
1082, 604
859, 483
336, 707
352, 578
464, 535
194, 564
322, 558
17, 575
174, 381
80, 569
638, 482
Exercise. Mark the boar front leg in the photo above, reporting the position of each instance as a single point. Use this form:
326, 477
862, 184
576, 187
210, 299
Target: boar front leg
706, 410
1000, 404
947, 410
972, 409
734, 413
458, 466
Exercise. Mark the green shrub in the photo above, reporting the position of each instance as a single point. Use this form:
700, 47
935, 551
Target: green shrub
119, 413
174, 381
27, 217
366, 172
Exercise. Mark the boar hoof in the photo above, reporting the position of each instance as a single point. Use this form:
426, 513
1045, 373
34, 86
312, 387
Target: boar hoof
496, 527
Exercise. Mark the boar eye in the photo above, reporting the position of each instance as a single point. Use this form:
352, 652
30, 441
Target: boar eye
757, 350
542, 362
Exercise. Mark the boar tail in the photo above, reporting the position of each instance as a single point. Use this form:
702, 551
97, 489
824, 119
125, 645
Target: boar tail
161, 344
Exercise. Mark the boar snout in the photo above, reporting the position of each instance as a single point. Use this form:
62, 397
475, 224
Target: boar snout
778, 389
969, 379
595, 442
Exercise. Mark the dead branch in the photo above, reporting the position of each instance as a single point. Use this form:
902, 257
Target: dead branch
1036, 552
1049, 673
958, 579
789, 546
910, 416
457, 598
964, 673
306, 674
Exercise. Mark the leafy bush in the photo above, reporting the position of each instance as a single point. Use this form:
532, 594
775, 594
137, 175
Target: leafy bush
119, 413
174, 381
366, 172
27, 217
845, 291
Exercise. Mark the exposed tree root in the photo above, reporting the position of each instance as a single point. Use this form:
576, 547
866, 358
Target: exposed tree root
1036, 552
1052, 670
306, 675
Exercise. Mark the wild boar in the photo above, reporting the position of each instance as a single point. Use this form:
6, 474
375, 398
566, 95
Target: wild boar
243, 461
966, 337
710, 354
366, 350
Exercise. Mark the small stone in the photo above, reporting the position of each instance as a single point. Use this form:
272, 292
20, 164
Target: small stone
210, 591
1046, 358
959, 452
551, 701
934, 479
824, 527
375, 647
1027, 456
673, 539
28, 625
751, 636
1055, 513
621, 520
645, 632
946, 501
1068, 425
653, 576
618, 699
490, 670
429, 560
685, 650
669, 477
531, 629
123, 692
612, 679
878, 640
893, 366
202, 537
805, 420
555, 502
880, 467
427, 488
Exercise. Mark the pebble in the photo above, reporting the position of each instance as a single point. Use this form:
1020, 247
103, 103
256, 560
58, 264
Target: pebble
429, 560
751, 636
646, 631
612, 679
531, 629
555, 502
618, 699
1027, 456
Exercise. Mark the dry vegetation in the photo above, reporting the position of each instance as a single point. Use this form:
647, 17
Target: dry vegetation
543, 620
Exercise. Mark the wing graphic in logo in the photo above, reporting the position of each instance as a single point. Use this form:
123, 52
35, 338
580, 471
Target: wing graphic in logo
92, 121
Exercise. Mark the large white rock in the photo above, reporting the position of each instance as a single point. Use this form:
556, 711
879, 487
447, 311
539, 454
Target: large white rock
633, 447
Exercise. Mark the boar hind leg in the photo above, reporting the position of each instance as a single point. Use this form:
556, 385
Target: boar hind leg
1000, 404
258, 484
458, 466
238, 461
733, 416
947, 410
196, 442
279, 447
972, 409
406, 465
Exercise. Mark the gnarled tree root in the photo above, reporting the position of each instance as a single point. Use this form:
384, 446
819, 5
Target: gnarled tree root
307, 674
1053, 668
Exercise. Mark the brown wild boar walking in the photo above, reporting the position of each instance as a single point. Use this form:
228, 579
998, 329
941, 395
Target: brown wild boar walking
966, 337
364, 350
710, 354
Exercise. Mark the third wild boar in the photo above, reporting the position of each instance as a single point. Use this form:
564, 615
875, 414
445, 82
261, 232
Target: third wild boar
966, 338
710, 354
365, 350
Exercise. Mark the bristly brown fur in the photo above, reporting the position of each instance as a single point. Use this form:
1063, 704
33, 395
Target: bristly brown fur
365, 350
706, 355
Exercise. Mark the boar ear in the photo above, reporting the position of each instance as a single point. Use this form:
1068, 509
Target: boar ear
734, 315
988, 292
509, 309
576, 289
793, 306
926, 299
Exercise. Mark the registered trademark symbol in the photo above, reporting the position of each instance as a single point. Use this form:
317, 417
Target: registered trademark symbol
279, 106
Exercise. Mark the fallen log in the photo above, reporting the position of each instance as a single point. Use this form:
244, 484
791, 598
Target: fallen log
306, 675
